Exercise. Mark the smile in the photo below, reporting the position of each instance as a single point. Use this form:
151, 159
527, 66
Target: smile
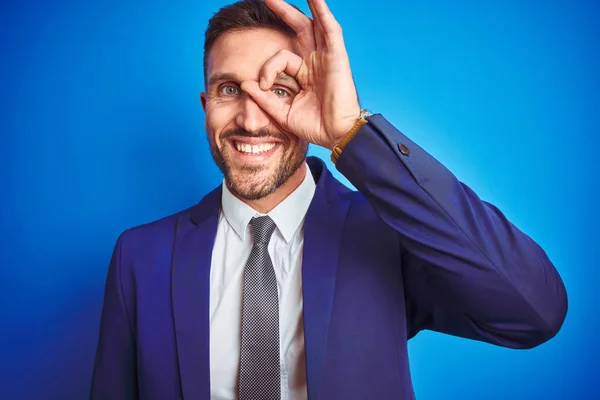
254, 148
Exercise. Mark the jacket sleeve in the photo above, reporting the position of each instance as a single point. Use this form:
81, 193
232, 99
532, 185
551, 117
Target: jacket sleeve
467, 270
115, 372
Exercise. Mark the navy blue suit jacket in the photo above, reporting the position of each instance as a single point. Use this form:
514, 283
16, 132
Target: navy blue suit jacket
412, 249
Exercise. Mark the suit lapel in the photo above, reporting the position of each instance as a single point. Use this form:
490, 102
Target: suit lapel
190, 288
323, 229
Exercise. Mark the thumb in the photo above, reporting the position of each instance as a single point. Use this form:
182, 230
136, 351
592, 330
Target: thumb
272, 104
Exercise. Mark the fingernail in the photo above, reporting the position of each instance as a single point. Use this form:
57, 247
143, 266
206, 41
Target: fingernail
263, 83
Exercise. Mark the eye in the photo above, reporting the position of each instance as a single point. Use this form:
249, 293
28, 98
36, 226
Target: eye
280, 92
229, 90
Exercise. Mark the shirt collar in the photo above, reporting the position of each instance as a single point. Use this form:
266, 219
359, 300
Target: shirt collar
287, 215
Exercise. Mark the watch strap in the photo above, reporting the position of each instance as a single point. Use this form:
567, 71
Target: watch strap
339, 148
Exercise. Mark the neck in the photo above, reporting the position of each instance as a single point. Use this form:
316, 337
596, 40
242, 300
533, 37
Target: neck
271, 201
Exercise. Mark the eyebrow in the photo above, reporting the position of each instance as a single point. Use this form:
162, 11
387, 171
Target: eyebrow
221, 77
283, 77
229, 76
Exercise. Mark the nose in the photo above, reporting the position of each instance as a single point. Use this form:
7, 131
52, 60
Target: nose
251, 117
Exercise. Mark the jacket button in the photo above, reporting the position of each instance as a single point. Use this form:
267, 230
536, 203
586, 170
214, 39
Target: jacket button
403, 149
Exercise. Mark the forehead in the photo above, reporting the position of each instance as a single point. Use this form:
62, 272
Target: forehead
244, 52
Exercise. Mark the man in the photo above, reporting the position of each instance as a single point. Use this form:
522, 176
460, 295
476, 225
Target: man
282, 283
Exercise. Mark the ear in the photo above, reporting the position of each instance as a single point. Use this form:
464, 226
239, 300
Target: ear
203, 100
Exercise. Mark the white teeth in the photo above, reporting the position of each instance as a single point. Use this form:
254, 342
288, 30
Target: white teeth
254, 149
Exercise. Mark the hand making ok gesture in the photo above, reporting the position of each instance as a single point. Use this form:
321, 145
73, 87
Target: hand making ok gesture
326, 107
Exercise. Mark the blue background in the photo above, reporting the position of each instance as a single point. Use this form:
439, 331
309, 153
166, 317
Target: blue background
101, 129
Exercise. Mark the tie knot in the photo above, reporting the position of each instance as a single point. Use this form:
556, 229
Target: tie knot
262, 229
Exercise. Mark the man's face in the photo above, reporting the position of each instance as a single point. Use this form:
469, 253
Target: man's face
254, 154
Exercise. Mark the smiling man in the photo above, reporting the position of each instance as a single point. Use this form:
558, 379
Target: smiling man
282, 283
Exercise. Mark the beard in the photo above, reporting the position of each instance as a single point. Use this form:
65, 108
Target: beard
248, 182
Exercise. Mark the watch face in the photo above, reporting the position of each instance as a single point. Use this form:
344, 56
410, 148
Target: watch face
365, 113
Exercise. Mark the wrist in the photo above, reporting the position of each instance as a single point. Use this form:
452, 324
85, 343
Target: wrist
341, 144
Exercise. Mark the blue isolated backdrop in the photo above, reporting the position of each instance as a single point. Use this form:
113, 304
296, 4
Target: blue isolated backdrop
101, 129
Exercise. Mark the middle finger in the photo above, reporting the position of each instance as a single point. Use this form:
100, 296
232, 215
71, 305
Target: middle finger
300, 23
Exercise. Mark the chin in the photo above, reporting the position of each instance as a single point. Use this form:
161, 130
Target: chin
249, 186
253, 180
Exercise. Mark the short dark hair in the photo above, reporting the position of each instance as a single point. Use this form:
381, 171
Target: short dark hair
244, 14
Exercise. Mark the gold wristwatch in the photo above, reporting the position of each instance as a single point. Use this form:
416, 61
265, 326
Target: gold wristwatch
362, 120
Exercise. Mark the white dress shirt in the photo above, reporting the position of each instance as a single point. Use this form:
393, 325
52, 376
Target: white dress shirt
232, 247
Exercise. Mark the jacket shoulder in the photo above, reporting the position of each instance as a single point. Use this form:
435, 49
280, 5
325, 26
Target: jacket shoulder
152, 235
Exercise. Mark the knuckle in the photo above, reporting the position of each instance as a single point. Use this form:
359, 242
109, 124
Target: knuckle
284, 53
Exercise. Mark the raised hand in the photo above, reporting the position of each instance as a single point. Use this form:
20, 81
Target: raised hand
326, 107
